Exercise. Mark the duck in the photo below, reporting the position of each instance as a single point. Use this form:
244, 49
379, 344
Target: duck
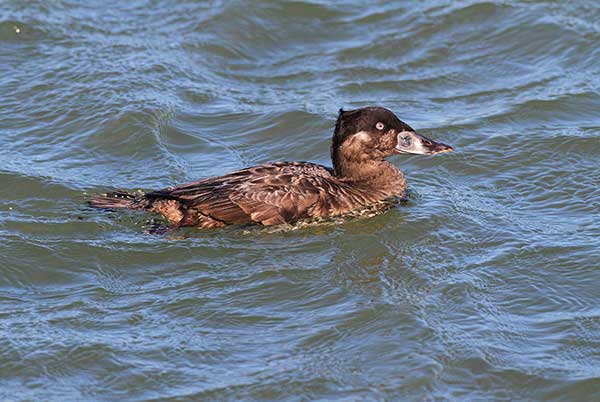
287, 192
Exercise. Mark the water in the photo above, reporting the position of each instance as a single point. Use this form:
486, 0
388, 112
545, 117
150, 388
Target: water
483, 286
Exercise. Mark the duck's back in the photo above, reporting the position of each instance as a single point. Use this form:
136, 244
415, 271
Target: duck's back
267, 194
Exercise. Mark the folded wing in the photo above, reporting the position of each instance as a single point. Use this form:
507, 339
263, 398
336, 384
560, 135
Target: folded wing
268, 194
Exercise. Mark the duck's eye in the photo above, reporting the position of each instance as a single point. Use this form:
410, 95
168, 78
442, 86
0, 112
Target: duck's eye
406, 140
379, 126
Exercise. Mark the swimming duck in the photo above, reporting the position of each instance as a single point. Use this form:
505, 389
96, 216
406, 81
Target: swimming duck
286, 192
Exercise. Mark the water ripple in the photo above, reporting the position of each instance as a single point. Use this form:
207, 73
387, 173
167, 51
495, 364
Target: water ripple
481, 286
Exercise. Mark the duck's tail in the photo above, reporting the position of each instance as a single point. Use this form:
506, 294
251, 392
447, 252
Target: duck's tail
115, 200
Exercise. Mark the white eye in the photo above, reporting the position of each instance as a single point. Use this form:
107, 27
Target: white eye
379, 126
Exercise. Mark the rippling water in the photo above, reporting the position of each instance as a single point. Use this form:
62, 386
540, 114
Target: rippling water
484, 286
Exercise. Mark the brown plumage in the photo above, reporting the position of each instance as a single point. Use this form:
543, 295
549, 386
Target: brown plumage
285, 192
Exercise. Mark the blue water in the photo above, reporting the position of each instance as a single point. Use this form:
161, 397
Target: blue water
484, 286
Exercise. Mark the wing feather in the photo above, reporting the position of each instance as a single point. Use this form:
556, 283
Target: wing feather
268, 194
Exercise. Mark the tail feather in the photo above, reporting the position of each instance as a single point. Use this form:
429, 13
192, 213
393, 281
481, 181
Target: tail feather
114, 200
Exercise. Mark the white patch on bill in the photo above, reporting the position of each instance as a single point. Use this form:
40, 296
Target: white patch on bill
415, 146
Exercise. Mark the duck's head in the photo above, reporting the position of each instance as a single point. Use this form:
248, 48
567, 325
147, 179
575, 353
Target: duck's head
374, 133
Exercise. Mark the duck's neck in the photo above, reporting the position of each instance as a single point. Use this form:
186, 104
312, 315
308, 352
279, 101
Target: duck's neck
374, 175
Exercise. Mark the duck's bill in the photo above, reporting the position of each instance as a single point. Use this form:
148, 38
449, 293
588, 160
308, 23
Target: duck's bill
409, 142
